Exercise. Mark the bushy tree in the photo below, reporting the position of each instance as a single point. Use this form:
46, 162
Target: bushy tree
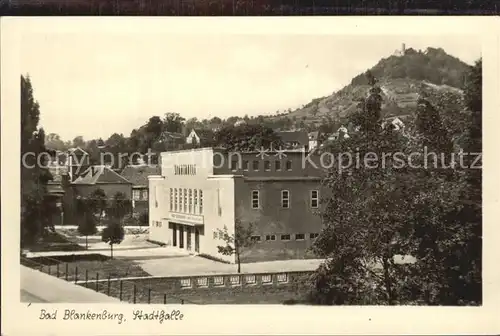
97, 203
113, 233
433, 215
246, 137
235, 243
86, 219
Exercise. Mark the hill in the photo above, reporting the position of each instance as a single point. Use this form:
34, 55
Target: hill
401, 76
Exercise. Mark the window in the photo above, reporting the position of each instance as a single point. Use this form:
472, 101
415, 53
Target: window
171, 199
314, 198
285, 199
201, 201
144, 194
300, 236
313, 235
181, 200
282, 277
185, 283
185, 200
285, 237
266, 278
250, 279
234, 279
234, 165
255, 165
202, 282
267, 165
176, 201
219, 281
245, 165
289, 165
255, 199
255, 238
190, 200
270, 237
277, 165
195, 202
136, 194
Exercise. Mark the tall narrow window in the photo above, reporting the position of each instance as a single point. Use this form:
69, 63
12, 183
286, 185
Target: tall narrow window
314, 198
289, 165
285, 199
255, 199
181, 200
277, 165
267, 165
201, 201
195, 200
190, 200
255, 165
171, 199
175, 199
185, 200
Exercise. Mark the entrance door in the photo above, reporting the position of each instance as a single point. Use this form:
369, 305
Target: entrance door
196, 240
174, 234
181, 236
188, 240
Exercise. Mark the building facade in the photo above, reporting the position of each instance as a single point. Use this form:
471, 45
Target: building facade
199, 192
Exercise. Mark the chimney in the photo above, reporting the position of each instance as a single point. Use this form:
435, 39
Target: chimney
403, 48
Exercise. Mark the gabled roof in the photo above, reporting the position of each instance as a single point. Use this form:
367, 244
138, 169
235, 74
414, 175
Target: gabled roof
291, 136
203, 133
138, 174
77, 150
100, 174
314, 135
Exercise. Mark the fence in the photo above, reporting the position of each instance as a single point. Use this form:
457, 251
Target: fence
121, 288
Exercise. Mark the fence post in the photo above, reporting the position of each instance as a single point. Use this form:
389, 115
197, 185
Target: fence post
48, 272
121, 289
182, 301
57, 270
135, 289
86, 278
97, 282
149, 295
109, 283
164, 298
76, 274
66, 272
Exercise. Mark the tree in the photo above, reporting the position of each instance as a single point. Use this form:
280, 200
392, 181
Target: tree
54, 141
235, 243
173, 122
34, 176
78, 142
98, 203
113, 234
246, 137
120, 206
86, 220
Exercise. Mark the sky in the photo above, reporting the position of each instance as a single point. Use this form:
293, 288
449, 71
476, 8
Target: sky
97, 84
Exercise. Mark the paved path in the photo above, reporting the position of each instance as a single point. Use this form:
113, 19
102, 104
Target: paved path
40, 287
194, 265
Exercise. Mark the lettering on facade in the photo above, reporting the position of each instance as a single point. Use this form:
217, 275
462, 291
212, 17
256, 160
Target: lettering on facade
186, 218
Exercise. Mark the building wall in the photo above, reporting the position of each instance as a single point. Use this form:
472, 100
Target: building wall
272, 219
218, 199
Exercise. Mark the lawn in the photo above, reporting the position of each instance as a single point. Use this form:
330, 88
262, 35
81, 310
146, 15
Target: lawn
89, 266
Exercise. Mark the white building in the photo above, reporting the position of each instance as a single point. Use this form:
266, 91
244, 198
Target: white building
188, 203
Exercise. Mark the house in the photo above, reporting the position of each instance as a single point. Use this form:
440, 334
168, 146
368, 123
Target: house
295, 140
138, 176
313, 140
198, 192
341, 133
200, 137
102, 177
395, 122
